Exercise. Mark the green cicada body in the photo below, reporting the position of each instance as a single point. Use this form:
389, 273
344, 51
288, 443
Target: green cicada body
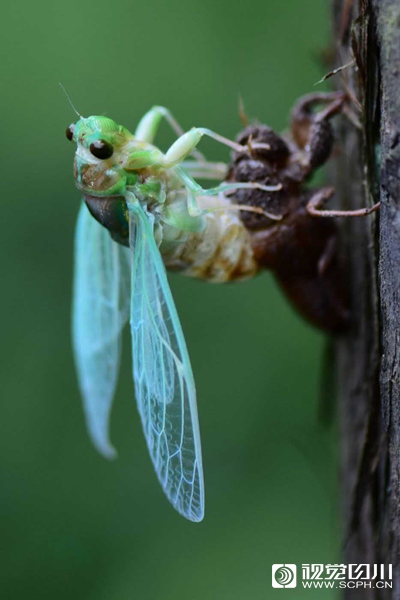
160, 216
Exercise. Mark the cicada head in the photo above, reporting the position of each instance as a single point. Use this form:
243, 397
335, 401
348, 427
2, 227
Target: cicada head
99, 155
99, 172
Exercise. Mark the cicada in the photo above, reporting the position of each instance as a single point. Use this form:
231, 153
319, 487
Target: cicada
144, 210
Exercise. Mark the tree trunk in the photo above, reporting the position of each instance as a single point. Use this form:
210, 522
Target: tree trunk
368, 359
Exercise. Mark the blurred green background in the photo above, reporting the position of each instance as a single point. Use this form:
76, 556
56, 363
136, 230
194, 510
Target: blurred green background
72, 524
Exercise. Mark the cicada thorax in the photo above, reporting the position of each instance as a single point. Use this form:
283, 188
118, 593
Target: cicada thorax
302, 251
108, 208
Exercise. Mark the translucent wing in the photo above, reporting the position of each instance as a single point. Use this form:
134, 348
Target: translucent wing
100, 309
164, 384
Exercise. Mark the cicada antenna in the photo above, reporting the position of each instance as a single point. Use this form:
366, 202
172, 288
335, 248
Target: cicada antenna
69, 99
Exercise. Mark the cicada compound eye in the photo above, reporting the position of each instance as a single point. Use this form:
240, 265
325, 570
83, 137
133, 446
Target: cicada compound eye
101, 149
70, 131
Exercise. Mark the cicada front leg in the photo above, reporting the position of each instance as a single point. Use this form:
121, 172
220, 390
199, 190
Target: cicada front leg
312, 130
149, 124
187, 142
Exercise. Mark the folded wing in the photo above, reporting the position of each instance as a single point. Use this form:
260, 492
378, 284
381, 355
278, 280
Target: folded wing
100, 310
164, 384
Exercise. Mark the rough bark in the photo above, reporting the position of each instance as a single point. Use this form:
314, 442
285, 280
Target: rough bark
368, 170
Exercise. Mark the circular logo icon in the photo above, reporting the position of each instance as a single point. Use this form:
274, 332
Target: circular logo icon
284, 575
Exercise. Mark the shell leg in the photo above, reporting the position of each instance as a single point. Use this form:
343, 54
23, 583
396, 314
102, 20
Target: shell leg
321, 196
311, 129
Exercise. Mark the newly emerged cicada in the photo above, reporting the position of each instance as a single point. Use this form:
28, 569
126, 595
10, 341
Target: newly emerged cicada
149, 213
157, 214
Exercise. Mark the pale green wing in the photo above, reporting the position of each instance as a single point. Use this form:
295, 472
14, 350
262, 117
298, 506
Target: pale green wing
100, 310
164, 384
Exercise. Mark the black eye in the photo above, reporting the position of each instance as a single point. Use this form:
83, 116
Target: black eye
101, 149
70, 131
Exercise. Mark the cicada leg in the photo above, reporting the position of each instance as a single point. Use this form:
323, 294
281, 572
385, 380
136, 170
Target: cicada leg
205, 170
149, 124
194, 190
321, 196
187, 142
311, 130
